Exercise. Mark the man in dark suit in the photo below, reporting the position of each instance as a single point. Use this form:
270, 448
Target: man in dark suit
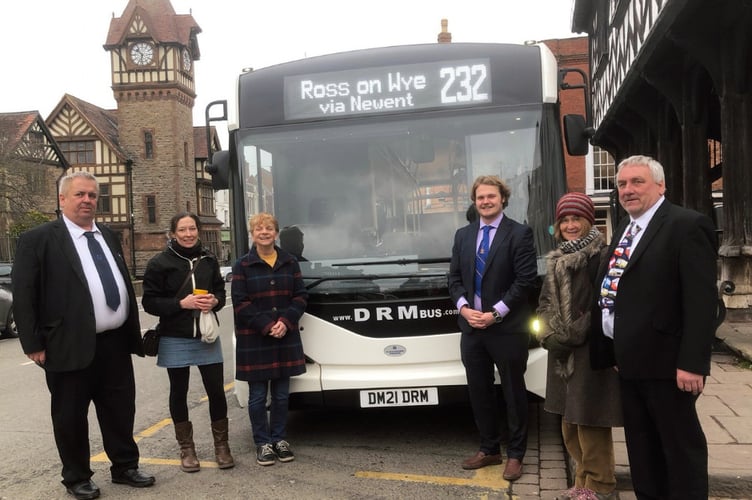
81, 329
658, 307
494, 320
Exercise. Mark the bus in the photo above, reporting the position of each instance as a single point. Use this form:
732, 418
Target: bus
369, 156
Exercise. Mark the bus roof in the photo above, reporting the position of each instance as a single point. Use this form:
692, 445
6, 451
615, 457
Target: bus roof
391, 80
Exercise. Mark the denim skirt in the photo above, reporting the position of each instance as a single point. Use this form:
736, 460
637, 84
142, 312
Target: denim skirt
177, 352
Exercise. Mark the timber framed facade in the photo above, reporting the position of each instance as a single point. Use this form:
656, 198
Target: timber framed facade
672, 79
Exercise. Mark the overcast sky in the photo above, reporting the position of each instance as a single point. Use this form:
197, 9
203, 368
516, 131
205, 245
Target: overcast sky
53, 47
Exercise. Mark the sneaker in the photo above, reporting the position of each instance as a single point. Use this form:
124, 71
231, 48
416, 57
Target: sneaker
265, 455
283, 451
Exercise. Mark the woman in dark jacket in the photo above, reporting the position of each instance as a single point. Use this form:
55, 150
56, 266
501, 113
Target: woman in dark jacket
180, 284
587, 400
269, 297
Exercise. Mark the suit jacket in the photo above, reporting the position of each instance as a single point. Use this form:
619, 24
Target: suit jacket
51, 299
510, 274
665, 308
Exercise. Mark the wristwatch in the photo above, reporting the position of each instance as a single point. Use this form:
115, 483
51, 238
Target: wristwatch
497, 317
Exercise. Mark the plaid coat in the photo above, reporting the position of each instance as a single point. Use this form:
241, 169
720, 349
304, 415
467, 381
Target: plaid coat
261, 295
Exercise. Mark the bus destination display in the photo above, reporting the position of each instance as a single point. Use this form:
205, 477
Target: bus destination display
388, 89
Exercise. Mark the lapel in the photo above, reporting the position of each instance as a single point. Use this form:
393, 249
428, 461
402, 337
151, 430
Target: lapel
65, 243
470, 246
655, 224
109, 238
502, 233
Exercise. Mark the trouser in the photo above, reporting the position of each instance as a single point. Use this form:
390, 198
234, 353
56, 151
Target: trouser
109, 383
481, 352
668, 453
271, 428
592, 449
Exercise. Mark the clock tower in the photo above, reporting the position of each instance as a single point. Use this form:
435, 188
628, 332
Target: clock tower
152, 50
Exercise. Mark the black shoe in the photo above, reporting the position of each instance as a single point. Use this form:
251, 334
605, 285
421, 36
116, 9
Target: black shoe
135, 478
283, 451
85, 490
265, 455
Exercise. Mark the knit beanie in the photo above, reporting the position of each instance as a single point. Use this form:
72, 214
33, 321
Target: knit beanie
578, 204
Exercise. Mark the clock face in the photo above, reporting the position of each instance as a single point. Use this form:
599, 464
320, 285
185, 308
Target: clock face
142, 53
186, 60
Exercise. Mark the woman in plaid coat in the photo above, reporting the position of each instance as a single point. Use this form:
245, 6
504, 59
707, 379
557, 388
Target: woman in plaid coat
268, 297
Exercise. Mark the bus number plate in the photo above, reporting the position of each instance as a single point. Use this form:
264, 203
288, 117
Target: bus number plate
414, 396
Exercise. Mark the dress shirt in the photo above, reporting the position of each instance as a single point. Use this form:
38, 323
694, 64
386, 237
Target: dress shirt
642, 221
106, 318
500, 306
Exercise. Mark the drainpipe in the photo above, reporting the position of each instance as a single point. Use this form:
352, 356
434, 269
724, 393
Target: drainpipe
131, 218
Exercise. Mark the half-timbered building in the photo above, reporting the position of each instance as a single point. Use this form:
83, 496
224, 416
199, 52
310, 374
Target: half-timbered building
672, 79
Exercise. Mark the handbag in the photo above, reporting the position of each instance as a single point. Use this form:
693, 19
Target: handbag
150, 339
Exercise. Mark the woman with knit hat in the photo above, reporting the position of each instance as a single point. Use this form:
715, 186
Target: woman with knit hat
587, 400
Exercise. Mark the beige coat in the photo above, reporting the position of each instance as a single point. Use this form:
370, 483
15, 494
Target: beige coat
580, 394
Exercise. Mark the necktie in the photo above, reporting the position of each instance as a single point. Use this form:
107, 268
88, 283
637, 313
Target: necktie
616, 265
480, 259
111, 292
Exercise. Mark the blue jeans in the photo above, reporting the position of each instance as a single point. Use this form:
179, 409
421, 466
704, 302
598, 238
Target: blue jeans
268, 429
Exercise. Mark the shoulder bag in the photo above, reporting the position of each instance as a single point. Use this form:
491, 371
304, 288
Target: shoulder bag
150, 339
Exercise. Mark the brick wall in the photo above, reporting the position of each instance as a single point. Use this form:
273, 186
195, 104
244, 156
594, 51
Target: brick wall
572, 53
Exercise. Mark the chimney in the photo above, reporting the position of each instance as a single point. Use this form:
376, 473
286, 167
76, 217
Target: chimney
444, 36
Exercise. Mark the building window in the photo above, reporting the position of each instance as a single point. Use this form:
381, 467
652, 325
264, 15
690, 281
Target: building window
206, 203
210, 241
104, 200
36, 179
604, 170
148, 145
151, 209
78, 152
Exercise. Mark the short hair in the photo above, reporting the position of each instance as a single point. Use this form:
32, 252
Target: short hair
262, 218
176, 218
492, 180
656, 169
66, 181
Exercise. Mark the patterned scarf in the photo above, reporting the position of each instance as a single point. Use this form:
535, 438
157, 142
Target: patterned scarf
580, 243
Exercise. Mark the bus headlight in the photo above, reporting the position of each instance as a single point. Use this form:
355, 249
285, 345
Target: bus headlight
535, 326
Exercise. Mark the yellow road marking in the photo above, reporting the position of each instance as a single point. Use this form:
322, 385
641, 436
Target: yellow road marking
487, 477
150, 431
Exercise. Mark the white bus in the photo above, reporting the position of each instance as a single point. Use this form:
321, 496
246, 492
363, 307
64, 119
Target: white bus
371, 154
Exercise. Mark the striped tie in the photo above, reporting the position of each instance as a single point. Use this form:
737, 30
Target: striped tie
480, 259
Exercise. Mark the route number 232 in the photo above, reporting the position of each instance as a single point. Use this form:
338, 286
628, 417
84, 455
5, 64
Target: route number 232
464, 84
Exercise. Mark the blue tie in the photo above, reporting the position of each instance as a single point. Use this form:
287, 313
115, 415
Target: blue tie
480, 259
111, 292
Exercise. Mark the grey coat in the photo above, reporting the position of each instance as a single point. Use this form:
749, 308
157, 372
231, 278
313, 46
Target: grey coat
582, 396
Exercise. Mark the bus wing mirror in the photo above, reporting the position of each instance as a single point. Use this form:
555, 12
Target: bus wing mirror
577, 135
219, 168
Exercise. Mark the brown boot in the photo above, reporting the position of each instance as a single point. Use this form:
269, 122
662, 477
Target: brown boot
188, 459
221, 448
